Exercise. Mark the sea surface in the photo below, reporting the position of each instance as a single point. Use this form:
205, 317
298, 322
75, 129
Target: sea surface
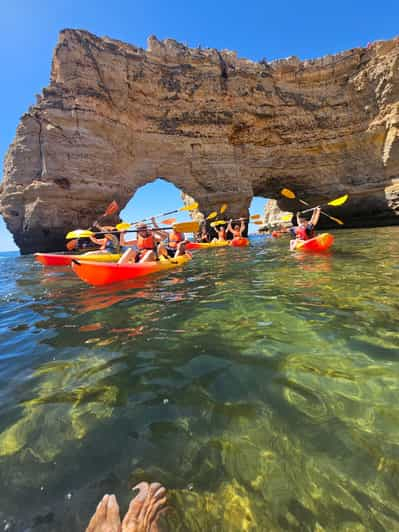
261, 387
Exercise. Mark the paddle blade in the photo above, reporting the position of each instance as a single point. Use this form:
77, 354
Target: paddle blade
218, 222
79, 233
339, 201
123, 226
286, 192
112, 208
287, 218
169, 221
187, 227
212, 215
255, 217
223, 208
190, 207
258, 222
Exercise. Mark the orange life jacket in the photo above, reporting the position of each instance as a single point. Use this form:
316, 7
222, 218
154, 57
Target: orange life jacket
147, 242
304, 233
174, 238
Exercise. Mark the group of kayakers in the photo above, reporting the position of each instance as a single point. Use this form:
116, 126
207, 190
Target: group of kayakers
237, 230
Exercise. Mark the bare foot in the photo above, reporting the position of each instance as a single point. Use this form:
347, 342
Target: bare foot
145, 508
106, 518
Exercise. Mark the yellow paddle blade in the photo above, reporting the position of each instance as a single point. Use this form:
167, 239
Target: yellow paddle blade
255, 217
287, 218
190, 207
339, 201
123, 226
223, 208
187, 227
288, 193
79, 233
218, 222
212, 215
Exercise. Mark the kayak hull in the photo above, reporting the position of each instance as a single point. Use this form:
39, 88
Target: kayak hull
207, 245
59, 259
236, 242
319, 243
100, 274
239, 242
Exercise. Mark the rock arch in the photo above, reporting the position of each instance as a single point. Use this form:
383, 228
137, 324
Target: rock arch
115, 117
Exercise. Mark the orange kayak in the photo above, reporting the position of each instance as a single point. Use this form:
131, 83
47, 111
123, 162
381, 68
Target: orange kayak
101, 273
318, 243
239, 242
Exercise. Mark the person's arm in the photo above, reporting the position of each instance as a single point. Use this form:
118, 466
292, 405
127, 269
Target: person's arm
242, 228
229, 228
315, 216
297, 218
98, 241
161, 234
125, 242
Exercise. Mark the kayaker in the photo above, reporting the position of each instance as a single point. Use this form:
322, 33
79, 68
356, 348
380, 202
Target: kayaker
146, 243
222, 233
176, 242
237, 230
109, 243
203, 235
305, 228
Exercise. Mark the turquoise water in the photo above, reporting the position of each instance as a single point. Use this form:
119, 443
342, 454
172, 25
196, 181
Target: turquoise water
260, 387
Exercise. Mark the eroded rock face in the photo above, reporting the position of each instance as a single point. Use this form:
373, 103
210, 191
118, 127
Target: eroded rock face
222, 129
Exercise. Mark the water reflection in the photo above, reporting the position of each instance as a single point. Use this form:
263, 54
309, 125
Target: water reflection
258, 385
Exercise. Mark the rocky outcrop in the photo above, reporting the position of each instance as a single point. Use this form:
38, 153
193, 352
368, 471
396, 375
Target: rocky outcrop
274, 216
222, 129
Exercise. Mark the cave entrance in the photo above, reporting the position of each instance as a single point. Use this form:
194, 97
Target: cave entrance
257, 207
153, 198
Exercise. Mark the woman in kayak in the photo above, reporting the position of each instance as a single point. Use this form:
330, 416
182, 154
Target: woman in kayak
108, 244
175, 246
146, 243
222, 233
203, 235
237, 230
305, 228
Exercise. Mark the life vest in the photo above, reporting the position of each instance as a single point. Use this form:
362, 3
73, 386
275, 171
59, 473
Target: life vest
304, 233
222, 233
174, 238
147, 242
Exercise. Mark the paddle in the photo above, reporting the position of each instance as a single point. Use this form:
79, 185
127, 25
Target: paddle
182, 227
223, 208
112, 208
223, 222
212, 215
286, 192
190, 207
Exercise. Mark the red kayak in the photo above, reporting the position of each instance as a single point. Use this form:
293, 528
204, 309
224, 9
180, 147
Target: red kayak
239, 242
318, 243
101, 273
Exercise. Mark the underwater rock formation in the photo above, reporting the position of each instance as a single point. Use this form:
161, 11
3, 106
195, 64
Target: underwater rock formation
115, 117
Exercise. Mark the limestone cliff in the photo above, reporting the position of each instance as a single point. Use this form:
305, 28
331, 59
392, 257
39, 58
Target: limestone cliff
115, 117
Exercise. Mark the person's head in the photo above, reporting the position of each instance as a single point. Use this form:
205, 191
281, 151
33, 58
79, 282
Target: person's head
302, 220
142, 230
236, 227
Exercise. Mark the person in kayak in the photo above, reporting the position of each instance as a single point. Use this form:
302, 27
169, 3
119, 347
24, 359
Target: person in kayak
175, 246
109, 243
222, 233
146, 244
203, 235
236, 230
305, 228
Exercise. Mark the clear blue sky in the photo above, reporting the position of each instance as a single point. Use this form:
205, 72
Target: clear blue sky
255, 29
